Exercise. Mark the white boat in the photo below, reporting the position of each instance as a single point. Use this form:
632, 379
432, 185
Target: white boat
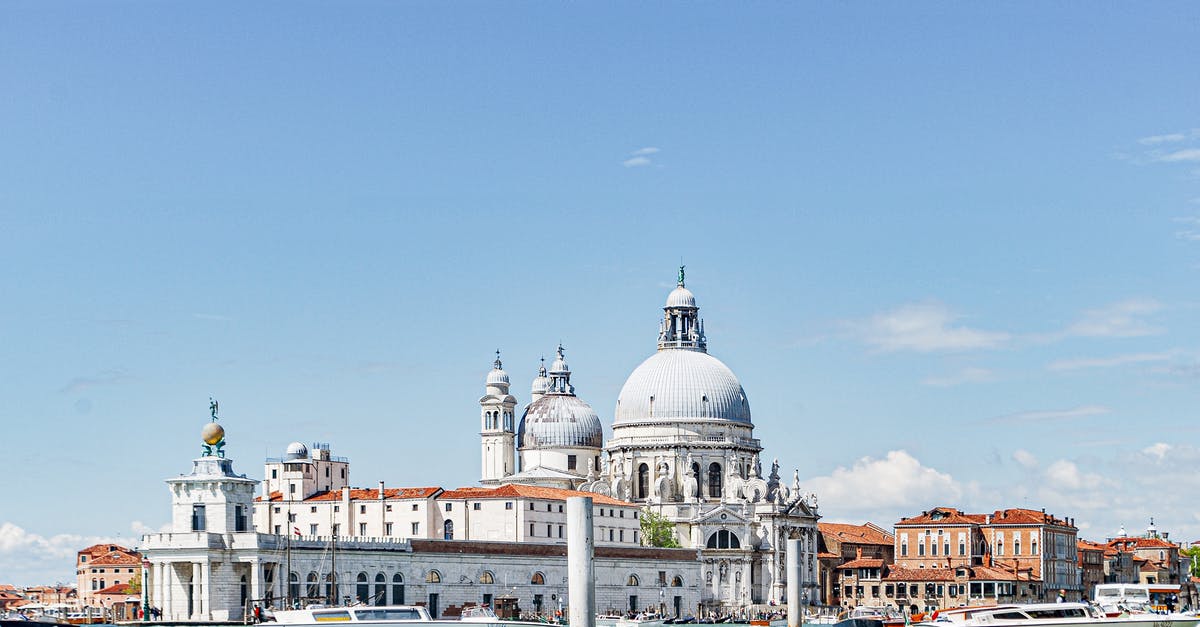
1117, 598
382, 615
1051, 615
641, 620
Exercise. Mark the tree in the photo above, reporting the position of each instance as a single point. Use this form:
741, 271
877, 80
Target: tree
134, 586
1194, 553
657, 530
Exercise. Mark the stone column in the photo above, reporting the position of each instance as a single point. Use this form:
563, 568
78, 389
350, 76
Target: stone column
580, 562
197, 599
795, 610
205, 585
256, 581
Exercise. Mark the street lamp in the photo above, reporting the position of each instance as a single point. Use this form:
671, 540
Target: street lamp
145, 589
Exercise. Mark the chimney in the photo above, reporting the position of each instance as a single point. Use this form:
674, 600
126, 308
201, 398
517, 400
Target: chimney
381, 489
858, 552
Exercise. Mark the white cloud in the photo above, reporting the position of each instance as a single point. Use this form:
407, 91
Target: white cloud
1066, 474
898, 481
1025, 458
1162, 139
32, 559
964, 376
923, 327
1108, 362
1121, 319
1158, 450
1187, 154
640, 157
1082, 411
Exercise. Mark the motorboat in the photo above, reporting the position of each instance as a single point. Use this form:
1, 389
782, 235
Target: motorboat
641, 620
383, 615
861, 616
1051, 615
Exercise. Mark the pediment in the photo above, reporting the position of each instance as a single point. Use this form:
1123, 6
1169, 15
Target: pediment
723, 515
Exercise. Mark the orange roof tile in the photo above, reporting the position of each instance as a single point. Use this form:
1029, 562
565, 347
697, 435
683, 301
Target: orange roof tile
520, 490
900, 573
946, 516
865, 562
1021, 516
117, 558
857, 534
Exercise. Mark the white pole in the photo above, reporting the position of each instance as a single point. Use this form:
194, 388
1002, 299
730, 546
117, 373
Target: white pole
795, 611
581, 571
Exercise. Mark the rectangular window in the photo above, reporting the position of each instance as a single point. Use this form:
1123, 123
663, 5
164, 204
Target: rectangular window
239, 518
387, 529
904, 549
274, 473
276, 510
875, 591
277, 530
508, 505
448, 507
362, 509
337, 508
610, 535
531, 529
571, 463
621, 535
362, 529
387, 507
889, 590
549, 507
560, 508
312, 529
291, 488
1016, 544
946, 547
560, 531
475, 506
313, 509
416, 528
336, 529
549, 531
198, 520
921, 548
933, 548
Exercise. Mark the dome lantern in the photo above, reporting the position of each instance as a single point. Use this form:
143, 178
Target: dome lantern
681, 326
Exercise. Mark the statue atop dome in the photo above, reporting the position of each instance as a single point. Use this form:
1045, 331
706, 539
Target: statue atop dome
681, 275
213, 434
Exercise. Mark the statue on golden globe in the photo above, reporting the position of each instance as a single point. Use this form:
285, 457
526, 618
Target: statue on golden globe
213, 434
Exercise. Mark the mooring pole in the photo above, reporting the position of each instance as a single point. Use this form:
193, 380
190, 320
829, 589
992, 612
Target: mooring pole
581, 570
795, 611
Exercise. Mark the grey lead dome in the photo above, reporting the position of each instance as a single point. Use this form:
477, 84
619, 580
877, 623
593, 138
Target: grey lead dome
680, 384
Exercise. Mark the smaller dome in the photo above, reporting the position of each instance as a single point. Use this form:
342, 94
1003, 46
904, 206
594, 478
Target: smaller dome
297, 450
680, 297
497, 377
560, 363
560, 420
540, 385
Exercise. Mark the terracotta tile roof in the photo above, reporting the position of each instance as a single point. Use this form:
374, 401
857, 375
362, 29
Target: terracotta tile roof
900, 573
827, 555
1021, 516
372, 494
1089, 545
518, 490
991, 573
857, 534
1141, 543
945, 516
865, 562
117, 558
119, 588
99, 549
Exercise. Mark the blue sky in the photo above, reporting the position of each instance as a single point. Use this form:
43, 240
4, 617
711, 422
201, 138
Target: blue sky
949, 249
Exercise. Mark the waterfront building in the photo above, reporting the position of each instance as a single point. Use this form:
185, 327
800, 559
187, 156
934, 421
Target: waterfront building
1091, 566
853, 559
103, 566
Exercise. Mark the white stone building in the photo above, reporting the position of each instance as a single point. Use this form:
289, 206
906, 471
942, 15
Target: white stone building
683, 446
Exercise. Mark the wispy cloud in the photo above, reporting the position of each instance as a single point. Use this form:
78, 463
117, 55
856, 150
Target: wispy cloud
1154, 140
110, 377
1025, 458
923, 327
640, 157
1186, 154
962, 377
1082, 411
1107, 362
1121, 319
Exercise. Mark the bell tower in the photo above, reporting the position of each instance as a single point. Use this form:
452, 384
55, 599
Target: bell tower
498, 433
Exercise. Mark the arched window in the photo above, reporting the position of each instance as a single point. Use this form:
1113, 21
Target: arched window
362, 590
293, 587
487, 577
331, 588
380, 596
245, 590
397, 589
632, 581
699, 479
724, 539
433, 577
677, 582
448, 530
538, 579
714, 480
643, 485
312, 591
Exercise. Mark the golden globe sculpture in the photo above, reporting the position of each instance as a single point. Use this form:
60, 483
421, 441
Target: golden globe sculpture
212, 433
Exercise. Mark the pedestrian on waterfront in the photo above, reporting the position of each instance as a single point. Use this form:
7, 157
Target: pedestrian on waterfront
257, 613
1062, 596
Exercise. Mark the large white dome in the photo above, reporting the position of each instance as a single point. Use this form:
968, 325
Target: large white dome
676, 384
